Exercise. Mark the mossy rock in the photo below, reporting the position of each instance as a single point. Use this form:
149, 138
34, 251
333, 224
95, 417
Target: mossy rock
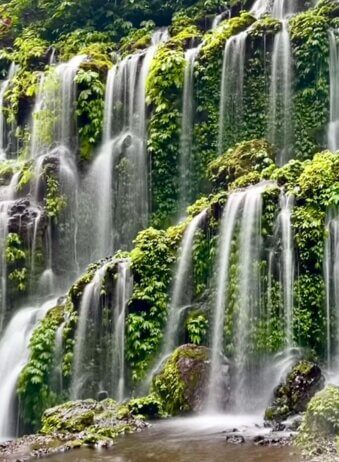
181, 384
90, 422
148, 407
320, 426
245, 159
293, 396
71, 417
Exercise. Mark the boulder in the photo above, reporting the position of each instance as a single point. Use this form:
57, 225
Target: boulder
89, 421
319, 430
23, 218
292, 396
182, 383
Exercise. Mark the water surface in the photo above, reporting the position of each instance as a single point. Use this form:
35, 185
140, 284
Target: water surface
185, 440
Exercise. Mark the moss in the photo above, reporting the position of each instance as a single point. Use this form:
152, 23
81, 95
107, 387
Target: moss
293, 396
148, 407
247, 158
88, 422
320, 423
17, 262
33, 389
176, 387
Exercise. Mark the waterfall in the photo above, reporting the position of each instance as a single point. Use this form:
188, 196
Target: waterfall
4, 217
287, 264
99, 351
13, 357
123, 292
331, 278
54, 111
3, 126
118, 177
227, 229
249, 295
243, 213
283, 8
6, 202
260, 7
66, 73
280, 113
232, 86
88, 308
179, 299
220, 17
57, 374
186, 138
333, 128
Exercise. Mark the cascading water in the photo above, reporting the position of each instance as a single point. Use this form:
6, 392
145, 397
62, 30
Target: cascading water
287, 264
53, 135
331, 277
333, 127
6, 202
186, 139
219, 18
243, 212
66, 73
88, 308
118, 178
227, 229
260, 7
123, 290
180, 297
57, 376
280, 130
249, 295
232, 86
54, 111
99, 363
3, 126
14, 355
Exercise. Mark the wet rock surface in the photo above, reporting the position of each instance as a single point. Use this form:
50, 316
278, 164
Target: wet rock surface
24, 217
292, 396
182, 383
260, 437
73, 425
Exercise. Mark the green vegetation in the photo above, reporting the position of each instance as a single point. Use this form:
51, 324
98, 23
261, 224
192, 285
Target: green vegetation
106, 32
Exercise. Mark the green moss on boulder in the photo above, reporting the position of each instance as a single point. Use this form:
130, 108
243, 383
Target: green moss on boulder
89, 422
181, 384
292, 396
320, 425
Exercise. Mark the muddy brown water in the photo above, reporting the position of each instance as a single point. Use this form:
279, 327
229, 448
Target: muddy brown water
184, 440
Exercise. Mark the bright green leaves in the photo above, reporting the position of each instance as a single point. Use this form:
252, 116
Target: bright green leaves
90, 110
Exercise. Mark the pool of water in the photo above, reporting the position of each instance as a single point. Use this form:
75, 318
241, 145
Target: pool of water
187, 440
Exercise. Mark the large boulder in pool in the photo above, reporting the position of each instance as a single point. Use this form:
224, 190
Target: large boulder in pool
292, 396
182, 383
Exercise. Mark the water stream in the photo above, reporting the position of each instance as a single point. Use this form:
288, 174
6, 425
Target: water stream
287, 264
280, 132
242, 209
14, 355
232, 86
4, 140
333, 128
118, 179
181, 440
186, 138
99, 352
180, 297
